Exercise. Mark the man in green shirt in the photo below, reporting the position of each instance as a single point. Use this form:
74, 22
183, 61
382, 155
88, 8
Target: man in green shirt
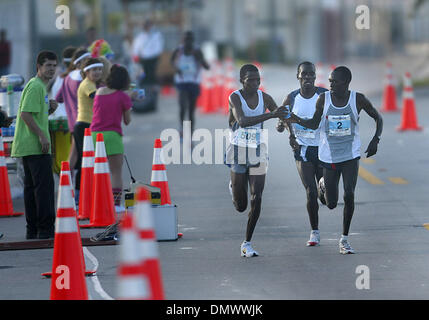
32, 143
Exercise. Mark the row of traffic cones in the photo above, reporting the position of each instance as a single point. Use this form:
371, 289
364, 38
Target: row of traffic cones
139, 271
95, 197
216, 86
141, 279
409, 115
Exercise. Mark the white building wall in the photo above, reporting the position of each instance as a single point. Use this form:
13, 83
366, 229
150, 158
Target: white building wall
46, 17
15, 18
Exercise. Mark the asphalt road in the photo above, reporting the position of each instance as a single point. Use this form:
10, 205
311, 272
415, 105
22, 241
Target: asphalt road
387, 230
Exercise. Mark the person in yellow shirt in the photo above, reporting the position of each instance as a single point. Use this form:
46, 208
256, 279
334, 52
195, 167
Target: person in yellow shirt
91, 73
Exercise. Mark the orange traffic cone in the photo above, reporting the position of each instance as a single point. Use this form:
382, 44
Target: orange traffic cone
389, 93
230, 84
86, 177
218, 88
167, 90
159, 174
409, 117
65, 171
148, 248
204, 90
207, 93
68, 278
320, 75
102, 208
6, 205
132, 281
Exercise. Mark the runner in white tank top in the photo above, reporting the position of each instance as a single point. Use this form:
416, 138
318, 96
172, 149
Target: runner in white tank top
188, 61
304, 142
246, 114
337, 114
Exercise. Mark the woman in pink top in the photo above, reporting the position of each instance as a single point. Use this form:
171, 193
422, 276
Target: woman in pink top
112, 105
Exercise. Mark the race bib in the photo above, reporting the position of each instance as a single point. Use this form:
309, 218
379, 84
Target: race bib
246, 137
303, 132
339, 125
189, 70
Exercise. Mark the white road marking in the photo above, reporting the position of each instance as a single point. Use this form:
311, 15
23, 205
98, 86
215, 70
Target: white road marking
97, 285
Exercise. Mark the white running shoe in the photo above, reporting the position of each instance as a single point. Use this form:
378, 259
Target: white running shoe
314, 238
345, 247
247, 250
230, 188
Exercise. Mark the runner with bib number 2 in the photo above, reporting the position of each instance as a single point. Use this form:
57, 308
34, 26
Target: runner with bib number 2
337, 116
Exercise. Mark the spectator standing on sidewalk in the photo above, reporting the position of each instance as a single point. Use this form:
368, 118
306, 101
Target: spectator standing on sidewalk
32, 143
147, 48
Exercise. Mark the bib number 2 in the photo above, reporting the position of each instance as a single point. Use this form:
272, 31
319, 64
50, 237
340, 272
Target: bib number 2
339, 125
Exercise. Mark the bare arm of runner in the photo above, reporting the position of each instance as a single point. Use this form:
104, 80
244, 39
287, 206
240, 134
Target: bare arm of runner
282, 124
200, 57
243, 121
314, 122
172, 62
363, 103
